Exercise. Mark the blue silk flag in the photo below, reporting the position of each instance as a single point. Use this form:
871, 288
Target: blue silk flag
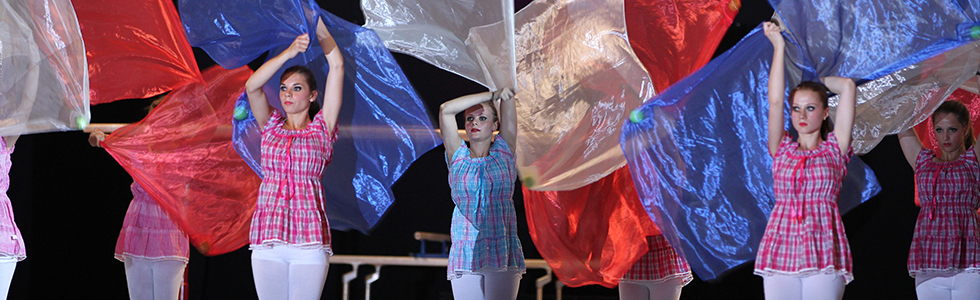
383, 124
698, 151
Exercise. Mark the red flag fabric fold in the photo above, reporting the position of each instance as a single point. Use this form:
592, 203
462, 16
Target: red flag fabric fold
594, 234
135, 49
182, 155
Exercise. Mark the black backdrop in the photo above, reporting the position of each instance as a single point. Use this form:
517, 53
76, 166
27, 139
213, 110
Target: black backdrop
69, 200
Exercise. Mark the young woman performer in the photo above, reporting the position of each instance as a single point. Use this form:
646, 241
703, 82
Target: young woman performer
945, 255
153, 249
486, 260
659, 275
804, 253
290, 236
11, 242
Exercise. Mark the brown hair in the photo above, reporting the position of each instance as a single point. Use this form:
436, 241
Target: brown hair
310, 82
821, 91
962, 115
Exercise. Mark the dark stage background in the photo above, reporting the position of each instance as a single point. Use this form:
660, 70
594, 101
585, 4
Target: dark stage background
70, 199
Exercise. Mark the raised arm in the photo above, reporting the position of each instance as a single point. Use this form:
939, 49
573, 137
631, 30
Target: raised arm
257, 99
777, 86
333, 92
844, 120
447, 119
508, 117
911, 145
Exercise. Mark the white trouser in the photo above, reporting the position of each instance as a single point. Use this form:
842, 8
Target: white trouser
487, 286
813, 287
285, 273
961, 286
150, 279
7, 266
664, 290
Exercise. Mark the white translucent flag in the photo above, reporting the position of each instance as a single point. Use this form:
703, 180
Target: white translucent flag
898, 101
577, 81
43, 71
577, 78
439, 32
972, 85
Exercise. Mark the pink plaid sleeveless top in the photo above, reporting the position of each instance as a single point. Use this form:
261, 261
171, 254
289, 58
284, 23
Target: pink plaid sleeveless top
289, 210
946, 238
11, 241
148, 232
805, 234
659, 264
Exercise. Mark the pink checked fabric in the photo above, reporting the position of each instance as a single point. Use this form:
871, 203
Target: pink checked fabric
148, 232
289, 210
11, 241
660, 264
805, 235
484, 226
946, 239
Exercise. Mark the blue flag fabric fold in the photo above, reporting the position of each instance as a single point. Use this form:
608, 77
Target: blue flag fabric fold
698, 151
383, 124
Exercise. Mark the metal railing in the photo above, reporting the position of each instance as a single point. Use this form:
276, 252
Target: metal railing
424, 260
379, 261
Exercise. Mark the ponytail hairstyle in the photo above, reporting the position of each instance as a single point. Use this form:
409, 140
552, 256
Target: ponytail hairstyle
962, 115
310, 82
822, 92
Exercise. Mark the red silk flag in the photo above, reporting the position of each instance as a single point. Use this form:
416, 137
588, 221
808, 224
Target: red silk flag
594, 234
135, 49
675, 38
182, 155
